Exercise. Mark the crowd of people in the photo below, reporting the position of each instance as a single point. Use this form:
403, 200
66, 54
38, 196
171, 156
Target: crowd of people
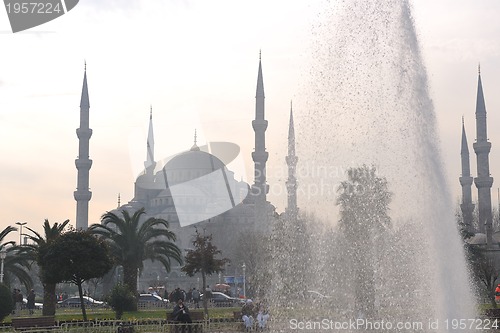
253, 315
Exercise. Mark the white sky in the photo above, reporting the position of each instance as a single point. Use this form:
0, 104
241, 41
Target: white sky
195, 62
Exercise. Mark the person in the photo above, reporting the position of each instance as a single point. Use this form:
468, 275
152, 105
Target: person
248, 314
14, 299
207, 294
497, 294
181, 314
31, 302
19, 301
178, 294
196, 297
262, 318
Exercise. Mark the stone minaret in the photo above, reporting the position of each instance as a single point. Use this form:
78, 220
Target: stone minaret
149, 164
259, 156
466, 206
83, 163
483, 180
291, 160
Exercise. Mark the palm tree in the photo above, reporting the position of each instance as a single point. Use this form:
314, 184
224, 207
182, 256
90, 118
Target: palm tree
16, 262
132, 242
37, 251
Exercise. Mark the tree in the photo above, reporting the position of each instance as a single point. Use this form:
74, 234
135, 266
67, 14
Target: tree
121, 299
481, 265
85, 257
484, 271
202, 259
364, 203
6, 302
35, 251
16, 262
132, 242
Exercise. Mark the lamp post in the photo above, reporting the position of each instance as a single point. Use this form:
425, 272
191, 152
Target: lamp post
244, 281
3, 255
21, 231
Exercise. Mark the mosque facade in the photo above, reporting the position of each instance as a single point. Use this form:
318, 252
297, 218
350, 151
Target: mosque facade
195, 189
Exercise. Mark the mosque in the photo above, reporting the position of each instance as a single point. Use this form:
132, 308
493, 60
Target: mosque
194, 188
484, 234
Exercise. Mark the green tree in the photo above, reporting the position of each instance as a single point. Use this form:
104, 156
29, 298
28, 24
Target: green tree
202, 259
481, 265
132, 242
17, 262
364, 203
85, 257
36, 251
484, 271
6, 303
121, 299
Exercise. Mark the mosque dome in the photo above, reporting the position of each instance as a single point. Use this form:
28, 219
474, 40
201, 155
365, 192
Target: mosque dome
190, 165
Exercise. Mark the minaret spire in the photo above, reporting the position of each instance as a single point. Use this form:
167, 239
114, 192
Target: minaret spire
291, 160
483, 180
195, 146
260, 156
466, 206
83, 163
150, 163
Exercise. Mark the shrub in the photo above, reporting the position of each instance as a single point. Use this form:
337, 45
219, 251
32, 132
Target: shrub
6, 304
121, 299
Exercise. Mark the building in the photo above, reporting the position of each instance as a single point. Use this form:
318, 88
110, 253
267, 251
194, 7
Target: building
484, 235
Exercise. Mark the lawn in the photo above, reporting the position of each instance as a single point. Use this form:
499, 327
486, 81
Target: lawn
144, 314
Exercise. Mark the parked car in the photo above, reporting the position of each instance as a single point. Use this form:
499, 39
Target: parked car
151, 300
220, 299
74, 302
38, 306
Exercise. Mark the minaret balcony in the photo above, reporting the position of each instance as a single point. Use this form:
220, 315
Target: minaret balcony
84, 133
82, 195
83, 164
482, 147
482, 182
466, 181
260, 156
259, 125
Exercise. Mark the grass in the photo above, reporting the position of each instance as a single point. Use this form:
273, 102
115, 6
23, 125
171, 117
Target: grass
144, 314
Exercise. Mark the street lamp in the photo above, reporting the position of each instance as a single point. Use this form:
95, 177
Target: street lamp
3, 255
244, 281
21, 231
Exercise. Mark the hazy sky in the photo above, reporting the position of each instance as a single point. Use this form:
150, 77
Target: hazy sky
196, 63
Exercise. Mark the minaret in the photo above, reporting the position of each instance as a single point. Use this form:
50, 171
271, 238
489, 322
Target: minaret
483, 180
83, 163
150, 163
466, 206
259, 156
291, 160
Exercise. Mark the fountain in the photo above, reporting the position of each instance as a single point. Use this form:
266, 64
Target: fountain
367, 102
